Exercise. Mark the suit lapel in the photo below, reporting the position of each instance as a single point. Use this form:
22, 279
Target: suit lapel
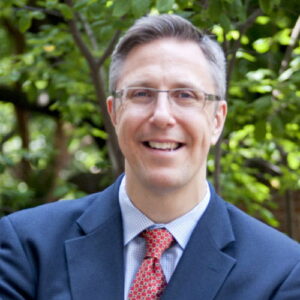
95, 260
204, 264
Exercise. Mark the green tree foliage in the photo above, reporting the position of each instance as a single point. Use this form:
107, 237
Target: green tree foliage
56, 140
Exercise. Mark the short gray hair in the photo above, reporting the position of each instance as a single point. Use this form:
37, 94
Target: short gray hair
150, 28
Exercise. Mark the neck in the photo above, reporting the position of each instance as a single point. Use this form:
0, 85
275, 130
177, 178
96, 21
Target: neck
164, 206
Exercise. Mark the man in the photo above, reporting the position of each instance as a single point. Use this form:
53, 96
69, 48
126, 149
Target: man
168, 108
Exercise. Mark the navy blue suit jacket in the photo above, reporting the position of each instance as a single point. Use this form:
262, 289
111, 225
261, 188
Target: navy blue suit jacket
74, 250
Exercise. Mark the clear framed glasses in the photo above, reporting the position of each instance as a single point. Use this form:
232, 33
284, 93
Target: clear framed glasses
182, 97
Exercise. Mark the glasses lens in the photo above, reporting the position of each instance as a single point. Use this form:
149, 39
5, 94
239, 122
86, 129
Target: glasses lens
182, 97
187, 97
140, 94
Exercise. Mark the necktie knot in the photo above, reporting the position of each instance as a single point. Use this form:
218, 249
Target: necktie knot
157, 241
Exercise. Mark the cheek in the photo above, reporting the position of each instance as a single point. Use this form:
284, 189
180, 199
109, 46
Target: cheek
202, 138
123, 138
205, 141
210, 128
127, 125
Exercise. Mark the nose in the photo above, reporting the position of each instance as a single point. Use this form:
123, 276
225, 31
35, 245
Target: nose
162, 113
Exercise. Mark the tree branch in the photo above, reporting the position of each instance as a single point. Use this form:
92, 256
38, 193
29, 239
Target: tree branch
288, 53
40, 9
88, 30
94, 64
6, 137
15, 35
109, 49
58, 162
284, 64
242, 29
19, 99
203, 3
78, 39
112, 143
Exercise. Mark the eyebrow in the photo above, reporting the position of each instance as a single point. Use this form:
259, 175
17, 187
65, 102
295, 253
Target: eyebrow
177, 84
140, 84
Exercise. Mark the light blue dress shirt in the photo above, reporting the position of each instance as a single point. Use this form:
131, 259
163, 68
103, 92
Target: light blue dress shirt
134, 222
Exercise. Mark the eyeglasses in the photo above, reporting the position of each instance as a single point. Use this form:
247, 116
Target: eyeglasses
182, 97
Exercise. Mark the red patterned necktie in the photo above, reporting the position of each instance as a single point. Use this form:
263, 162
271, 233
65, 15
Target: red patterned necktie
150, 280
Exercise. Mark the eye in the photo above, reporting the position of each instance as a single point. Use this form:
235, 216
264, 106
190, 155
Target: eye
139, 93
184, 94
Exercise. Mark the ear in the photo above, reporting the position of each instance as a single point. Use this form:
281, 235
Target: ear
219, 120
111, 109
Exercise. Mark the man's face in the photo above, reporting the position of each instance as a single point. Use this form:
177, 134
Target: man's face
166, 148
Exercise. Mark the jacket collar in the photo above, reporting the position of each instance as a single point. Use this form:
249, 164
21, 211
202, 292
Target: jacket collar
96, 265
104, 207
205, 263
95, 259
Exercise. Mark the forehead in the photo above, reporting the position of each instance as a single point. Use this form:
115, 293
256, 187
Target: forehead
166, 63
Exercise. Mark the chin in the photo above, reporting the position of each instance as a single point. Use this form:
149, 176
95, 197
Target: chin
162, 182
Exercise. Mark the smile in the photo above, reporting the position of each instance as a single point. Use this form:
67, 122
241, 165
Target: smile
166, 146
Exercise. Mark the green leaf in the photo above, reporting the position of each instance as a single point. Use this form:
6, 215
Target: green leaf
2, 168
41, 84
259, 74
239, 10
215, 10
262, 20
277, 126
286, 75
51, 4
80, 4
225, 22
140, 8
66, 11
245, 55
268, 217
99, 133
283, 36
121, 7
266, 6
263, 104
184, 4
262, 45
164, 5
38, 15
25, 22
260, 130
294, 160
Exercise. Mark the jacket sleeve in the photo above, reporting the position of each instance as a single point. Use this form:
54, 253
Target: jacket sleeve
16, 271
290, 288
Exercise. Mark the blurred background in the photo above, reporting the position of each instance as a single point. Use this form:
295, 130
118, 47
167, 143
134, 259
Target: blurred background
56, 141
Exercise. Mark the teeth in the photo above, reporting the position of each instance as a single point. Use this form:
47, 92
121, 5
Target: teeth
163, 146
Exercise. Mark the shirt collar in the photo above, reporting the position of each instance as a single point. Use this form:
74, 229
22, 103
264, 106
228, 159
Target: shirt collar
134, 221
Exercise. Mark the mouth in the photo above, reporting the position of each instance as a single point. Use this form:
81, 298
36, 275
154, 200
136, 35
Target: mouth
164, 146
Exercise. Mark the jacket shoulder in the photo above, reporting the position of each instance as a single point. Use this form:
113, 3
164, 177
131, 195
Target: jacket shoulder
71, 206
258, 235
51, 215
61, 217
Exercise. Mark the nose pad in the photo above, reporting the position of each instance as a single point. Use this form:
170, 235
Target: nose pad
162, 114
